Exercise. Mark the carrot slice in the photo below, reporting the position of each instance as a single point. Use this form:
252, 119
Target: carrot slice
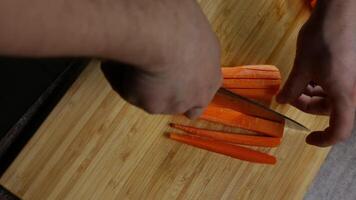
234, 151
257, 94
246, 73
252, 83
226, 101
252, 140
236, 119
260, 67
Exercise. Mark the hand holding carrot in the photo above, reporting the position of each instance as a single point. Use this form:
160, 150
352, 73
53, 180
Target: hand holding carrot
323, 79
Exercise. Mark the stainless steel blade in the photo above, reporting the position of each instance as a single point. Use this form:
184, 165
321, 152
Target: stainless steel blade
256, 109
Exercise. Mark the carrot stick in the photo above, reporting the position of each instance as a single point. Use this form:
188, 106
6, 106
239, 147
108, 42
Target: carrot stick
252, 140
252, 83
234, 151
260, 67
257, 94
236, 119
245, 73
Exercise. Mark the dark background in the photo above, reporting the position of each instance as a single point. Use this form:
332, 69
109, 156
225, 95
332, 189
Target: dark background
29, 90
22, 81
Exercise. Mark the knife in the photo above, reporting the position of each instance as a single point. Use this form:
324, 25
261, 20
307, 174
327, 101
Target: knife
253, 108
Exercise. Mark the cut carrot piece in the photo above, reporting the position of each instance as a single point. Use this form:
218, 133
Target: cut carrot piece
252, 84
234, 151
245, 73
252, 140
260, 67
257, 94
224, 100
236, 119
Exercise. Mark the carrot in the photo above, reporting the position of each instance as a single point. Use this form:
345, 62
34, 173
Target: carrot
260, 67
252, 83
234, 151
246, 73
236, 119
257, 94
252, 140
313, 3
224, 100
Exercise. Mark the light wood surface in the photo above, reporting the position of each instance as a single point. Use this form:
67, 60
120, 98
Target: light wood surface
95, 146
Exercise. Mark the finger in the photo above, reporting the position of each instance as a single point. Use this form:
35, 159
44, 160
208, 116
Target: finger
315, 90
340, 125
313, 105
194, 112
293, 88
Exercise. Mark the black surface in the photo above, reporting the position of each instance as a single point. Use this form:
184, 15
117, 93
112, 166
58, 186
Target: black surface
30, 90
6, 195
22, 81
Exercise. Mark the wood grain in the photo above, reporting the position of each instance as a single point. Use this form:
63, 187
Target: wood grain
95, 146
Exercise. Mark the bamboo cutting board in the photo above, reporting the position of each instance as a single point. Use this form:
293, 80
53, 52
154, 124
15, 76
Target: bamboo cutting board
95, 146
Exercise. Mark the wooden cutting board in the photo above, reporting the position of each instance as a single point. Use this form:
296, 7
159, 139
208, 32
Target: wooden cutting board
95, 146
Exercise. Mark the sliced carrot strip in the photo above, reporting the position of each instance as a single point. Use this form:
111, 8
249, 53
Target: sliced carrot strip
252, 83
252, 140
245, 73
257, 94
226, 101
260, 67
236, 119
234, 151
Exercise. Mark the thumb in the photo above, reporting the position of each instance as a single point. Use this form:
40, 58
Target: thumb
297, 81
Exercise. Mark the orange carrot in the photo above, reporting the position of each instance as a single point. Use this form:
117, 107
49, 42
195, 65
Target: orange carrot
252, 140
236, 119
257, 94
313, 3
252, 83
234, 151
226, 101
246, 73
260, 67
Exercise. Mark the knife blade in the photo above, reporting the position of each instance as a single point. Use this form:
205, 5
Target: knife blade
256, 109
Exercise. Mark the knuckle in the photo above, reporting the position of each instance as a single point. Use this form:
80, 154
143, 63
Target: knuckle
151, 106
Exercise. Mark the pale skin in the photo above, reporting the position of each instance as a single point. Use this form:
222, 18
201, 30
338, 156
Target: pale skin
326, 55
163, 57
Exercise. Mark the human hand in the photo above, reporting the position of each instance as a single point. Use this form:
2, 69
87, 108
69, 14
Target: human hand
172, 66
323, 78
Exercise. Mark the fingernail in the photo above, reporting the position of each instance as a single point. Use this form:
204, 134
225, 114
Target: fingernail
194, 113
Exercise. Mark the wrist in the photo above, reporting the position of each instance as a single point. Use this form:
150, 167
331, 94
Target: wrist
150, 33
